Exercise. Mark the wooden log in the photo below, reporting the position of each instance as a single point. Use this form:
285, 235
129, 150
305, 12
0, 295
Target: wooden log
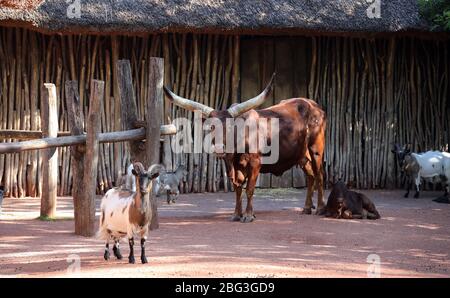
107, 137
50, 160
34, 90
90, 170
283, 89
76, 122
389, 161
129, 109
154, 112
116, 104
26, 134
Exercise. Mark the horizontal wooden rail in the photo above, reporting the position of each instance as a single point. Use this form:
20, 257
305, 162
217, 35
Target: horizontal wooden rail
26, 134
107, 137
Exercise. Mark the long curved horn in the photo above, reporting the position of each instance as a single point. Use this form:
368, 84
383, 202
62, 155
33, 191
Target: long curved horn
187, 103
253, 102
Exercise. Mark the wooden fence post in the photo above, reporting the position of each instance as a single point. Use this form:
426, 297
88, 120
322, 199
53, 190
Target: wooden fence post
154, 112
129, 109
90, 170
85, 157
76, 123
49, 110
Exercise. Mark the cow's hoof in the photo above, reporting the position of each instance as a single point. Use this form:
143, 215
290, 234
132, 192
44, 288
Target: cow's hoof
106, 255
131, 260
236, 217
321, 211
416, 196
306, 211
144, 260
406, 195
247, 218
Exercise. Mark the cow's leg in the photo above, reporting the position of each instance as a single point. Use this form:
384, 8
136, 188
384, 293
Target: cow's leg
347, 214
371, 215
310, 181
309, 194
316, 152
238, 208
251, 183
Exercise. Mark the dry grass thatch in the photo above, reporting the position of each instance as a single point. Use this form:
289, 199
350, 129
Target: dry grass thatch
213, 15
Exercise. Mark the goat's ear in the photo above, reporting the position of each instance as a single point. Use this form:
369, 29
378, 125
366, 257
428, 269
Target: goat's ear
133, 171
153, 176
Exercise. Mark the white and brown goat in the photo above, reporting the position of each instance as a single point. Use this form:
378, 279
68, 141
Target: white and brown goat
166, 183
125, 213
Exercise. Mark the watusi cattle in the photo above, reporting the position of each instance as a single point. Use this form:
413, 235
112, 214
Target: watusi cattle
302, 124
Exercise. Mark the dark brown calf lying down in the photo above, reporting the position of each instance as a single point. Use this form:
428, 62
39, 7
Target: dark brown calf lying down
347, 204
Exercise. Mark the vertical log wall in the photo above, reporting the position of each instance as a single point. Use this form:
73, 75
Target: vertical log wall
375, 92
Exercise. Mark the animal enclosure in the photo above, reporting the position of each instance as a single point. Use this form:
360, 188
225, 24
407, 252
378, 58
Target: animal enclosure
373, 90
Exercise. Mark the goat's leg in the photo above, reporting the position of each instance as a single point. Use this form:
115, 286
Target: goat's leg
116, 249
168, 197
417, 180
446, 187
238, 207
131, 256
408, 187
106, 255
143, 258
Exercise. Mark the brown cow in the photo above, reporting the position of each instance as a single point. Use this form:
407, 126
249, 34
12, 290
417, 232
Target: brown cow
348, 204
302, 125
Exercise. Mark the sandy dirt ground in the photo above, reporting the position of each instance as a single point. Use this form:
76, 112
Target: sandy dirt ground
196, 239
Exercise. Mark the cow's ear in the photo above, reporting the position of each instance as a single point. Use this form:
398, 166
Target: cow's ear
394, 151
133, 171
407, 151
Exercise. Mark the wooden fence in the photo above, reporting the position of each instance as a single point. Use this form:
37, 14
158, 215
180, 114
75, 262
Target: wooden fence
375, 91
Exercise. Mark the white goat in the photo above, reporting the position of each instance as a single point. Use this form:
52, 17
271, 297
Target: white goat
125, 213
168, 182
431, 165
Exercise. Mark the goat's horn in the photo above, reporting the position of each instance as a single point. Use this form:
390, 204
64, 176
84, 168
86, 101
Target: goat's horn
252, 103
156, 168
187, 103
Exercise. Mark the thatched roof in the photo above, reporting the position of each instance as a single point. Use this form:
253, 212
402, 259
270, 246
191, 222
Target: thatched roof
131, 16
